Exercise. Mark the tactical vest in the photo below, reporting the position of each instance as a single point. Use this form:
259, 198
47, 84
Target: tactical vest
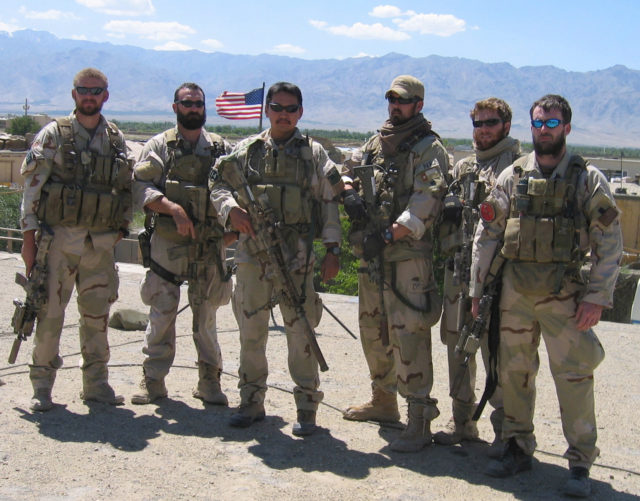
284, 176
87, 189
185, 183
393, 177
543, 228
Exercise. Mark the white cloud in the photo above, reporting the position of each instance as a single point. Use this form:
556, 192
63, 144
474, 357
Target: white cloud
47, 15
363, 54
120, 7
287, 48
172, 46
211, 44
78, 37
443, 25
362, 31
385, 11
317, 24
150, 30
9, 28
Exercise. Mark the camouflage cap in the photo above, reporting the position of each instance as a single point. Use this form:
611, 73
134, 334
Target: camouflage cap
407, 87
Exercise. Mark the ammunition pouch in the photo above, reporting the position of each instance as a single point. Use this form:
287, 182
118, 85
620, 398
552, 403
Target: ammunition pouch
72, 205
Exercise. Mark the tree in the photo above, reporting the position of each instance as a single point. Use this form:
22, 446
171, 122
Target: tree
22, 125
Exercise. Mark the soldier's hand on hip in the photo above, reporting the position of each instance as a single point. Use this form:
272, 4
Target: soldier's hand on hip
588, 315
240, 221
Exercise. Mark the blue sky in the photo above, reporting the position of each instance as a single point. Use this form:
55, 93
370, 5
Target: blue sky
570, 34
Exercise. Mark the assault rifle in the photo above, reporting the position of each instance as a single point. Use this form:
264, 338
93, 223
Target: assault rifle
374, 224
35, 286
487, 320
462, 258
269, 241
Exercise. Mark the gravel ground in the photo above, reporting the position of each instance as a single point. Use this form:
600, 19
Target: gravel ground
183, 449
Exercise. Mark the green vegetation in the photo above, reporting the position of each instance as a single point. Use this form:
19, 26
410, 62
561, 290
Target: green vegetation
22, 125
10, 201
234, 132
346, 282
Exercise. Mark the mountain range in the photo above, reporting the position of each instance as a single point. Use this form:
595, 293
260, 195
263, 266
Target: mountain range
338, 93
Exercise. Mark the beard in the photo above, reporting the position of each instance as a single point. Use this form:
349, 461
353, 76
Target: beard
554, 148
192, 120
484, 144
89, 109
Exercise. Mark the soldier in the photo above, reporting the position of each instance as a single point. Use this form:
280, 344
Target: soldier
398, 299
291, 172
550, 208
78, 187
185, 244
473, 178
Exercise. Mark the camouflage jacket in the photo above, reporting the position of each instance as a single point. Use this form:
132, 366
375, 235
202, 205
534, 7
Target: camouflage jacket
602, 235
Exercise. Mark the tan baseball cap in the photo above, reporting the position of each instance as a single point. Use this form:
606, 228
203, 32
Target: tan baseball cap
407, 87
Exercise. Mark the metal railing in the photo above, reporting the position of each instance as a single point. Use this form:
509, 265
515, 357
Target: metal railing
7, 235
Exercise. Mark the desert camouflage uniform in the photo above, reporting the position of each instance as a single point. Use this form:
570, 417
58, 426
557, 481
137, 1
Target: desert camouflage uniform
81, 253
479, 170
254, 292
530, 307
177, 254
405, 365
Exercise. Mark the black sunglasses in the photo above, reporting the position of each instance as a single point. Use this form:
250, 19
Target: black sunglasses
489, 122
94, 91
403, 100
552, 123
188, 103
291, 108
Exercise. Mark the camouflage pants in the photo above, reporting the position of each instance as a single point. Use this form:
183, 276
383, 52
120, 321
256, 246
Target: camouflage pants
463, 403
406, 363
573, 356
251, 294
96, 280
163, 297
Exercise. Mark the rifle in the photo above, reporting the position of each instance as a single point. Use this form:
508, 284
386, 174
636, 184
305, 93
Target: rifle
201, 252
270, 241
374, 224
470, 337
26, 312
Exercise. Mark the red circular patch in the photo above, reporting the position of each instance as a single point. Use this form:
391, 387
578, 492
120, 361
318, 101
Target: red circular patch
487, 212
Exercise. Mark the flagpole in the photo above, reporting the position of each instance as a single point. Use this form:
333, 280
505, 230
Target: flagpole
261, 113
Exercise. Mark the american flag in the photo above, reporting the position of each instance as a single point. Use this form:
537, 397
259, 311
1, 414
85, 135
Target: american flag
240, 105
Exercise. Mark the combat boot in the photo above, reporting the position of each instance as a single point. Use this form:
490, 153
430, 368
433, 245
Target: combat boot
578, 485
247, 414
457, 432
101, 393
306, 423
208, 388
417, 434
496, 449
383, 407
41, 400
514, 460
150, 391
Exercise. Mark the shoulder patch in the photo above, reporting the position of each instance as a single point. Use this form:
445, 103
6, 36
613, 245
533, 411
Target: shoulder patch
487, 212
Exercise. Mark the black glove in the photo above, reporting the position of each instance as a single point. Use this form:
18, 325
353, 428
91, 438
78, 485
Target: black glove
372, 246
452, 211
353, 205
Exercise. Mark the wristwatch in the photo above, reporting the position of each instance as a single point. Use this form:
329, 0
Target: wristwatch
388, 235
335, 250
